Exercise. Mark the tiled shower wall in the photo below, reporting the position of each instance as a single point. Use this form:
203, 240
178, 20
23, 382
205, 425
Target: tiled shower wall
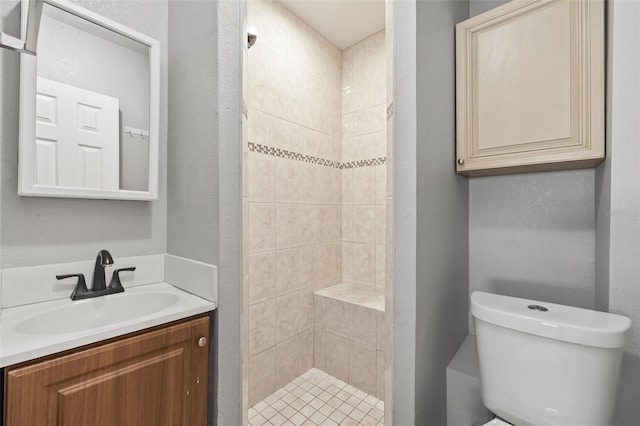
364, 138
294, 191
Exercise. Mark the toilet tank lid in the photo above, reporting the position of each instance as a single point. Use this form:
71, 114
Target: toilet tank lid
560, 322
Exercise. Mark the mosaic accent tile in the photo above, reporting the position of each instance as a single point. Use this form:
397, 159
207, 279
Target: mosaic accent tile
390, 111
283, 153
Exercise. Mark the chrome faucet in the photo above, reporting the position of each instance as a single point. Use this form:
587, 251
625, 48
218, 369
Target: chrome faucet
99, 287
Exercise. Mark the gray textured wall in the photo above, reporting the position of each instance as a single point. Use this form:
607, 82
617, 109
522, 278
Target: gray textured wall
624, 211
443, 211
192, 175
533, 235
192, 183
48, 230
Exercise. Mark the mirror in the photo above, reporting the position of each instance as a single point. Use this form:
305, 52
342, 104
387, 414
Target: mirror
89, 109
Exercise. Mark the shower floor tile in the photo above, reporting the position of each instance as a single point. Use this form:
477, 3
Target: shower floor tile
317, 399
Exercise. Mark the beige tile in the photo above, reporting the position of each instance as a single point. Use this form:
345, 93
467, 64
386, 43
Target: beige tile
381, 330
307, 186
262, 270
308, 220
337, 356
286, 279
307, 267
245, 238
362, 325
380, 264
262, 227
286, 361
328, 223
319, 348
335, 217
377, 91
286, 316
364, 262
305, 350
262, 178
245, 158
356, 148
376, 118
259, 61
380, 360
305, 309
381, 224
258, 87
362, 367
347, 186
323, 255
364, 223
381, 183
262, 375
319, 316
364, 185
286, 135
258, 127
286, 180
347, 260
388, 383
355, 97
335, 261
337, 317
389, 239
287, 231
262, 326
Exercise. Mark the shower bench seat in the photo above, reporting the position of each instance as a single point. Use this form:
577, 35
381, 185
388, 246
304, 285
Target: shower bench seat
350, 335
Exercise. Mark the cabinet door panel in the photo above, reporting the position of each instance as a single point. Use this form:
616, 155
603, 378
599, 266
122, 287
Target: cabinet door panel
152, 379
530, 87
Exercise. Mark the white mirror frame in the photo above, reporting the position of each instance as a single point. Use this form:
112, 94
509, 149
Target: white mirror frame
28, 73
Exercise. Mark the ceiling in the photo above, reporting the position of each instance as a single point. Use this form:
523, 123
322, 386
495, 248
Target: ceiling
342, 22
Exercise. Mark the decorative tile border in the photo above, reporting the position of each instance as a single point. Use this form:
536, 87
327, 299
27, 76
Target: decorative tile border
283, 153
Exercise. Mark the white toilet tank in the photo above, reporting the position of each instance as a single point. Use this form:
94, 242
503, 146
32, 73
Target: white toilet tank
546, 364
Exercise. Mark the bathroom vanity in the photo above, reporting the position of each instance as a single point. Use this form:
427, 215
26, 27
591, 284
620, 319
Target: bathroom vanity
155, 377
137, 357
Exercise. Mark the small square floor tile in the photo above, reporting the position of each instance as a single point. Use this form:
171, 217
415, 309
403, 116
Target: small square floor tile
356, 415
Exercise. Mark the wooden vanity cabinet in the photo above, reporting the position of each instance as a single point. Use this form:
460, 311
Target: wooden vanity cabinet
153, 378
530, 88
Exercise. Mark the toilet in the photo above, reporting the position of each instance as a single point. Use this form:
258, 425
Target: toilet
543, 364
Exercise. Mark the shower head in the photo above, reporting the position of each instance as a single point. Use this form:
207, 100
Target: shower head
252, 36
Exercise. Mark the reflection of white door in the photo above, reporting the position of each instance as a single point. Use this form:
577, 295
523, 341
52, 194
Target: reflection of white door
77, 137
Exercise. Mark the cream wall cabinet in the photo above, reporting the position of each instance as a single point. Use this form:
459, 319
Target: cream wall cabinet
530, 88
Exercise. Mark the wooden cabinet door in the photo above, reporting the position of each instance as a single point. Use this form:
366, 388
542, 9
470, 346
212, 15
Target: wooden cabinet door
158, 378
530, 87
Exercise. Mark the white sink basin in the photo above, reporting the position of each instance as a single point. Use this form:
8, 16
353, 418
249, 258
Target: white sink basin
97, 312
32, 331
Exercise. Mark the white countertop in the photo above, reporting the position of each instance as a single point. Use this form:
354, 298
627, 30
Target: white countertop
18, 346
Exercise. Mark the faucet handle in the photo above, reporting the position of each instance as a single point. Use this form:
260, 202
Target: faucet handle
81, 286
115, 278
